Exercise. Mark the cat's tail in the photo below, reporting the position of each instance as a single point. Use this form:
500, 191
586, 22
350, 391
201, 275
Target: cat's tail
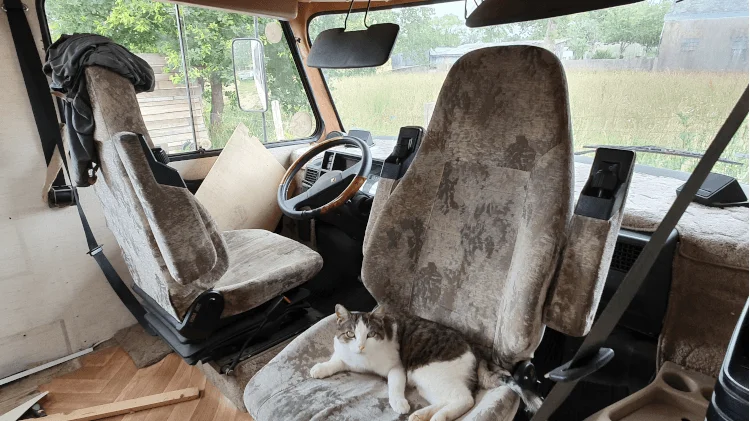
490, 378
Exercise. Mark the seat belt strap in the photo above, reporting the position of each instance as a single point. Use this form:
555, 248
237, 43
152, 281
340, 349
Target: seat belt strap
97, 252
37, 87
627, 290
48, 127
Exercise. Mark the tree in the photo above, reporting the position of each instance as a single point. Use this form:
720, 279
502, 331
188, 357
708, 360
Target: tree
581, 31
146, 26
519, 31
420, 30
638, 24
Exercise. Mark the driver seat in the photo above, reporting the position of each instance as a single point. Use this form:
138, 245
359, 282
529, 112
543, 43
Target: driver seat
471, 237
181, 264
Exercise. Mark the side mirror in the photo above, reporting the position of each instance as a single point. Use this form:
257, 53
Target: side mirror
250, 74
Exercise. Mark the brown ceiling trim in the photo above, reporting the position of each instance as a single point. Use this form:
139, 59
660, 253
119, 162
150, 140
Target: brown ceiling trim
277, 9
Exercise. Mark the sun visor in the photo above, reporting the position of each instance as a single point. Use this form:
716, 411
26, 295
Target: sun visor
497, 12
339, 49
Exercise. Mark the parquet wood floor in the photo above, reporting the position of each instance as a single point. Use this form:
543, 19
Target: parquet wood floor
109, 375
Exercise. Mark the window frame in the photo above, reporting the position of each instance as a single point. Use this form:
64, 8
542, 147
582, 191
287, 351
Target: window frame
202, 153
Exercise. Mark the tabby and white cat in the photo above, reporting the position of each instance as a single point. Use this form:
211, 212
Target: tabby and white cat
435, 359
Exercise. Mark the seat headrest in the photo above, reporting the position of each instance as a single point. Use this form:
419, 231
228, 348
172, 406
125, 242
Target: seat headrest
513, 98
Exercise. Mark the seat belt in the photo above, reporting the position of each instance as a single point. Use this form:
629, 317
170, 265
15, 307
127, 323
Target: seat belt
35, 80
47, 125
591, 351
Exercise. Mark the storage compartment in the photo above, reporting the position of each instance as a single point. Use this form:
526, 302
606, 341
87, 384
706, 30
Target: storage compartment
675, 395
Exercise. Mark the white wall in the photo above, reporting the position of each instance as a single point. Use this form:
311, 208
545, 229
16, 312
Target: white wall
53, 298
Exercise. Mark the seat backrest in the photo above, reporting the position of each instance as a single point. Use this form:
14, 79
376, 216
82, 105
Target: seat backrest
471, 235
170, 243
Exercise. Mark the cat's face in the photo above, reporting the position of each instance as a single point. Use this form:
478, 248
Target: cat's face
360, 331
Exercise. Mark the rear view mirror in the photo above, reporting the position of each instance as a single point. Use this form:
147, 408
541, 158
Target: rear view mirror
250, 74
340, 49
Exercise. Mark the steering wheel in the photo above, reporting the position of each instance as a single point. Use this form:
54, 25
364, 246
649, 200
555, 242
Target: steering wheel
332, 189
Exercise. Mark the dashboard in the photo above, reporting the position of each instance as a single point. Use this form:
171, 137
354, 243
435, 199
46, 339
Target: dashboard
342, 158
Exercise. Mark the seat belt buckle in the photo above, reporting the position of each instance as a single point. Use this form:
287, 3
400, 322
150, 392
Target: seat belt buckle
61, 197
12, 5
524, 374
96, 250
583, 367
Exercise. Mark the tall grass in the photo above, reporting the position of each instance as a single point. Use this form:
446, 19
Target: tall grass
679, 110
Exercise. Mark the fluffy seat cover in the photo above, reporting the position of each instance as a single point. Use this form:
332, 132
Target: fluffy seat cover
172, 247
470, 237
263, 265
285, 391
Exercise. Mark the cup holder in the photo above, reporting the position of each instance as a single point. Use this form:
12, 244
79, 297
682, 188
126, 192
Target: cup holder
678, 382
676, 394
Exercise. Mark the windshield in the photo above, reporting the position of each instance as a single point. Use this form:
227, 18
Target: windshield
654, 73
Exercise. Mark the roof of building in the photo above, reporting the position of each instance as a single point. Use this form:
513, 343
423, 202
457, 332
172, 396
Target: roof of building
707, 9
465, 48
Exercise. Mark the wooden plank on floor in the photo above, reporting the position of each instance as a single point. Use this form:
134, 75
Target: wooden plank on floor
128, 406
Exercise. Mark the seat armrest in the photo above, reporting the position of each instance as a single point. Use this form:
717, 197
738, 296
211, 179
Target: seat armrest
191, 246
575, 295
592, 234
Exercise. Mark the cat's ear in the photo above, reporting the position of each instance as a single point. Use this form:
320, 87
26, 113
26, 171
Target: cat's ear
379, 311
342, 313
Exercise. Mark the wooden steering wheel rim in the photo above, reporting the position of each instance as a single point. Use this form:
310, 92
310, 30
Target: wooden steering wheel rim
286, 181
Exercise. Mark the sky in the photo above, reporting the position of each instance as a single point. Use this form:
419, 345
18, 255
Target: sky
454, 8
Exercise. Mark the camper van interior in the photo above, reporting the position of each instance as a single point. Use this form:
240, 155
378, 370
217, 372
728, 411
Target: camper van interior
422, 210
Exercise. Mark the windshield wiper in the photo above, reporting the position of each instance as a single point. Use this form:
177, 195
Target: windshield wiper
654, 149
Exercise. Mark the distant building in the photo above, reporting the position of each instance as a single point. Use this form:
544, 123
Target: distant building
401, 62
709, 35
442, 58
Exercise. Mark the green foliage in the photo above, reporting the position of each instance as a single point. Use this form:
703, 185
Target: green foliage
520, 31
146, 26
603, 54
638, 24
422, 29
582, 32
76, 17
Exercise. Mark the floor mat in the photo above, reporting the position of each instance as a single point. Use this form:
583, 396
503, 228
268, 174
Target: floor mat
143, 349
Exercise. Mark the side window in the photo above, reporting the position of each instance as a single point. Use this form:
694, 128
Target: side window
194, 104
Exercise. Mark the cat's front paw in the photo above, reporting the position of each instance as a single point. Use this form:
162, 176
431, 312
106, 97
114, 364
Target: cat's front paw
319, 371
400, 405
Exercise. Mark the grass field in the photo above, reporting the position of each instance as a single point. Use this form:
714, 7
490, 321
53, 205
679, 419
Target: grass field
680, 110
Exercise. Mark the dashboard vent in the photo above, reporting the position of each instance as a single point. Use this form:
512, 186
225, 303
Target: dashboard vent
624, 256
311, 176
